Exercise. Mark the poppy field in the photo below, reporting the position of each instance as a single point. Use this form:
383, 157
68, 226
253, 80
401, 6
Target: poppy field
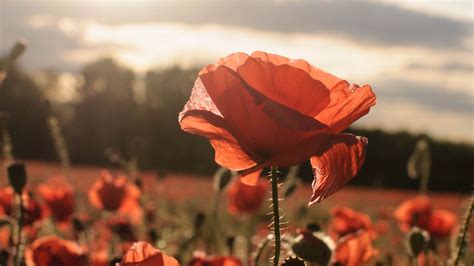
264, 116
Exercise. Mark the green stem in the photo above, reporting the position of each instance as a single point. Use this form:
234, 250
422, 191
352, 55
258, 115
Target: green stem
19, 225
276, 214
463, 233
260, 251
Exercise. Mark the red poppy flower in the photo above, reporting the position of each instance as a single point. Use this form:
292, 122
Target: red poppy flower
122, 227
355, 249
200, 259
116, 194
418, 212
267, 110
52, 251
346, 221
32, 209
59, 197
244, 198
144, 254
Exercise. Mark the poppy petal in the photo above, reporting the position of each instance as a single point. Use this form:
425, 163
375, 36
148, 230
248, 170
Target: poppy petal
228, 151
337, 166
251, 178
201, 117
348, 103
327, 79
277, 79
442, 223
262, 124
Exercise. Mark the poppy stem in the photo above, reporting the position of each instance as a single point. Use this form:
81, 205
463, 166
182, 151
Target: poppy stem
461, 243
18, 229
261, 248
276, 214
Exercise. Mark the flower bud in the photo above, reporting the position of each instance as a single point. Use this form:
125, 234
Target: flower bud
16, 51
199, 221
222, 178
17, 176
416, 241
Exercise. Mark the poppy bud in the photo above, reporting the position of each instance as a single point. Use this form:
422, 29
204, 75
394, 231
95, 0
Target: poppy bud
222, 178
313, 247
153, 235
230, 241
199, 221
417, 240
293, 261
139, 183
16, 51
17, 176
77, 224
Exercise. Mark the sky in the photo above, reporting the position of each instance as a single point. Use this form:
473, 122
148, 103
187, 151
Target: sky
417, 55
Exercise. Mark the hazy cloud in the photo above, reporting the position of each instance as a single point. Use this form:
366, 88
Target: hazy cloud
367, 22
434, 97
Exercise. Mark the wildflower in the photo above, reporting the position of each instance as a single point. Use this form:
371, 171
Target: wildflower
244, 198
418, 211
32, 210
52, 251
59, 197
355, 249
116, 194
143, 254
346, 221
267, 110
200, 259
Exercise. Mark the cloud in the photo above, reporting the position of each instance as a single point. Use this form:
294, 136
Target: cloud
366, 22
433, 96
450, 66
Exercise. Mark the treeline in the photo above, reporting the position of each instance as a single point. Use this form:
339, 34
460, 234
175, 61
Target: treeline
116, 114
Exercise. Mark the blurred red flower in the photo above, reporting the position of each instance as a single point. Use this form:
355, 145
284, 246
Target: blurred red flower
144, 254
418, 211
59, 197
116, 194
33, 211
346, 221
53, 251
244, 198
122, 227
267, 110
355, 249
200, 259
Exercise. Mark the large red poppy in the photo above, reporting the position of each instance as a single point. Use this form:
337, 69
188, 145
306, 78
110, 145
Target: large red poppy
53, 251
59, 196
267, 110
144, 254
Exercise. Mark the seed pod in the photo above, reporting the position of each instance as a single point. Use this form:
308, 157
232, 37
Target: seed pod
17, 176
313, 247
293, 261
